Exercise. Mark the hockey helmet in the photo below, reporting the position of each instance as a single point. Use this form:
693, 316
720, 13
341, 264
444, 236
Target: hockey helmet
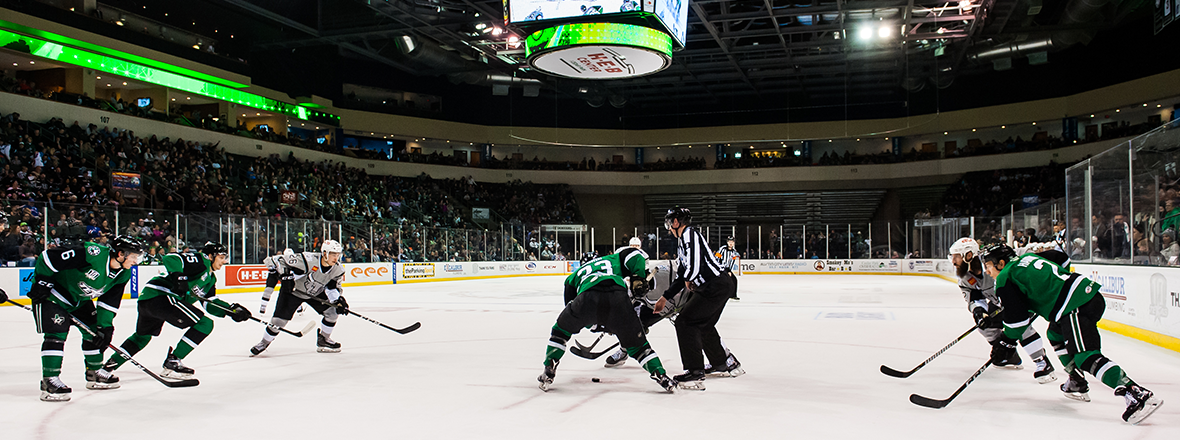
128, 244
212, 249
729, 239
678, 213
331, 246
997, 252
963, 246
635, 241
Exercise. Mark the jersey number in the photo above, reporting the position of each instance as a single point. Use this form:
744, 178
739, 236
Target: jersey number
68, 254
599, 267
1040, 265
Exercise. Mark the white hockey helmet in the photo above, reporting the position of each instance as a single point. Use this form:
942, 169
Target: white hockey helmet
635, 241
963, 246
331, 246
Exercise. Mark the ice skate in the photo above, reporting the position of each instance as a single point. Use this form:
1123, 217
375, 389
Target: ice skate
1140, 402
325, 344
54, 390
1044, 373
691, 380
1012, 363
175, 369
546, 377
665, 382
732, 368
617, 359
101, 380
259, 348
1076, 387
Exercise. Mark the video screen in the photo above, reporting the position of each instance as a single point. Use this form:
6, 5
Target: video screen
144, 102
674, 14
537, 10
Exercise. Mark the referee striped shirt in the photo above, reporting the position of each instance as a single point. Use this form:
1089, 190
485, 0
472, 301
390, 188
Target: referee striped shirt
728, 258
697, 263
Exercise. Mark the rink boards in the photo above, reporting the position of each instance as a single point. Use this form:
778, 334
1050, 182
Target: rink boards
1142, 302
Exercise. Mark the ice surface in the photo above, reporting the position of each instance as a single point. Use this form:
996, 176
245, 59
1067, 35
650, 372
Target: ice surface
811, 346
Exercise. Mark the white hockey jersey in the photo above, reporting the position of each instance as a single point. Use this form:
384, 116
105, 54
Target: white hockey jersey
311, 279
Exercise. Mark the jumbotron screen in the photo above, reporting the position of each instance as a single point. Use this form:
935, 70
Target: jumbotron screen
520, 11
671, 15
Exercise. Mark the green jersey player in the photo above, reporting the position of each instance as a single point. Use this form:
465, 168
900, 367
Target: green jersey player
171, 298
66, 283
599, 296
1030, 286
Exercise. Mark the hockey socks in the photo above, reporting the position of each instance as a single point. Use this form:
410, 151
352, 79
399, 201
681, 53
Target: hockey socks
193, 337
556, 348
52, 350
1108, 372
132, 345
647, 358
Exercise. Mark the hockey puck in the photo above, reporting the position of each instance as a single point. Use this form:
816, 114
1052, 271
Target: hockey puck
595, 379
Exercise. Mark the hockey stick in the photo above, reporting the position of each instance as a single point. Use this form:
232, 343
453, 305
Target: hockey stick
403, 331
891, 372
183, 383
584, 352
939, 404
299, 334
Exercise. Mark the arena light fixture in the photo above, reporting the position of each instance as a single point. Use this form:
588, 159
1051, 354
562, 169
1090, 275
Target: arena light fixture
152, 75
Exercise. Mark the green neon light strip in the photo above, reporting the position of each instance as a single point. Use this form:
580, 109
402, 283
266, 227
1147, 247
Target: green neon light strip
61, 39
598, 33
69, 55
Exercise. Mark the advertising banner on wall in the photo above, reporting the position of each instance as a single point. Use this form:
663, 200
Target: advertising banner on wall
368, 274
1144, 297
416, 270
237, 275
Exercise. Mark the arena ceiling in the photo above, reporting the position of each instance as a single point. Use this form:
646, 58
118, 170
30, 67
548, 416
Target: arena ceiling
784, 59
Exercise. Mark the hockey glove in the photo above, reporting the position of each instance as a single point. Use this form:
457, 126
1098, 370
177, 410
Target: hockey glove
103, 336
238, 313
981, 317
341, 306
3, 296
40, 290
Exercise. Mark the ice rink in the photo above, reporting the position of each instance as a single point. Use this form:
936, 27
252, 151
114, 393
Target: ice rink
811, 346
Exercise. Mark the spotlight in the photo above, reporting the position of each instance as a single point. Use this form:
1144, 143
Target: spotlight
884, 32
865, 33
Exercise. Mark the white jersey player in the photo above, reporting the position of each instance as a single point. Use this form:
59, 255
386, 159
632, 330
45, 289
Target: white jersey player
316, 279
979, 290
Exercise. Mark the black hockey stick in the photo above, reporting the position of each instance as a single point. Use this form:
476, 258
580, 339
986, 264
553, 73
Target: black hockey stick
403, 331
183, 383
939, 404
299, 334
904, 374
891, 372
584, 352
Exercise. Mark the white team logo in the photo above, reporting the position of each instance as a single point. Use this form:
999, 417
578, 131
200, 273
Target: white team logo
58, 319
89, 291
93, 250
92, 274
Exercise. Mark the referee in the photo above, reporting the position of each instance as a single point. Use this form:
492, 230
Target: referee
708, 292
730, 262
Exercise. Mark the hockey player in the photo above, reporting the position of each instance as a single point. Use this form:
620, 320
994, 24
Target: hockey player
601, 299
172, 297
708, 290
1030, 286
730, 261
273, 277
317, 279
979, 290
66, 282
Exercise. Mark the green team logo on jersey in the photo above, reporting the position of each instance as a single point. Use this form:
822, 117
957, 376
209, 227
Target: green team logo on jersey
93, 250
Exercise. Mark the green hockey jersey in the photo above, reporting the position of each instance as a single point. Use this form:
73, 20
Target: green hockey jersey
1033, 284
84, 274
612, 268
188, 277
